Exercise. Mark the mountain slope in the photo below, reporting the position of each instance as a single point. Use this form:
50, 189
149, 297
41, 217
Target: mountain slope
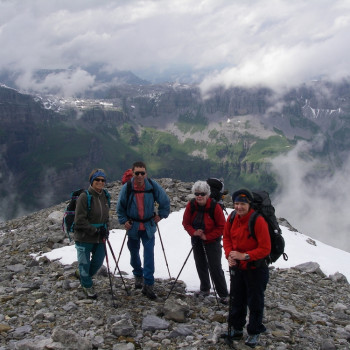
52, 144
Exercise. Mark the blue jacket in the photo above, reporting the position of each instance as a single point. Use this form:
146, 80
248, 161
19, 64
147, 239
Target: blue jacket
128, 209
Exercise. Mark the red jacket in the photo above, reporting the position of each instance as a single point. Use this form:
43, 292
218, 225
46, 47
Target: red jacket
213, 229
236, 238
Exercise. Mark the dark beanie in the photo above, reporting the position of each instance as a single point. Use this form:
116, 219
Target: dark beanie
242, 195
242, 198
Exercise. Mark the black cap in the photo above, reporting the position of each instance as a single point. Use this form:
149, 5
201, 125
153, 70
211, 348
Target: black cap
243, 193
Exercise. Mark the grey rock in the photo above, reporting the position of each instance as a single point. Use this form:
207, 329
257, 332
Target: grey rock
180, 331
42, 302
176, 310
124, 328
127, 346
16, 267
56, 217
153, 323
338, 277
20, 332
70, 339
328, 344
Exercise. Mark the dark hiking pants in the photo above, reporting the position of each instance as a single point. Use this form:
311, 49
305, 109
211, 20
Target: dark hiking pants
248, 291
213, 251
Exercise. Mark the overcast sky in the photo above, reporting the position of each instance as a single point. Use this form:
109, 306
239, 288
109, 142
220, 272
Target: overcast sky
235, 42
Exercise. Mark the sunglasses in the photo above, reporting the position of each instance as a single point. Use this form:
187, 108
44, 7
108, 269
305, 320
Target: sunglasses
99, 180
137, 173
200, 194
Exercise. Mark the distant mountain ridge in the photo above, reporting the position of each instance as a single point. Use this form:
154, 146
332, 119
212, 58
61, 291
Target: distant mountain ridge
48, 145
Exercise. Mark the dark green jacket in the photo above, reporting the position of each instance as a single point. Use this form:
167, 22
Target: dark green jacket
84, 230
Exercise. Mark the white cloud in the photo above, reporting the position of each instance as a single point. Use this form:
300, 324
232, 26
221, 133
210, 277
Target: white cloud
252, 42
317, 204
65, 83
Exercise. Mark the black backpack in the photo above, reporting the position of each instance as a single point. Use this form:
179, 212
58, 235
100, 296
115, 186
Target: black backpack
217, 191
216, 188
69, 213
263, 206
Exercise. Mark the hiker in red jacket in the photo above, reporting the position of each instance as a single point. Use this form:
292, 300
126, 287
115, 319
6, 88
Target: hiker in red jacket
246, 255
205, 229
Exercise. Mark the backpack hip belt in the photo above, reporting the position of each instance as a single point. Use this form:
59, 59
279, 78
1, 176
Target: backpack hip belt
141, 220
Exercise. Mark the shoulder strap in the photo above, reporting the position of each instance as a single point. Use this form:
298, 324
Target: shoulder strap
212, 207
88, 196
193, 207
129, 190
232, 216
108, 196
251, 224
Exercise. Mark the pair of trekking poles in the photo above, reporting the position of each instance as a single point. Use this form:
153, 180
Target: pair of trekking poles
161, 241
210, 273
166, 261
105, 242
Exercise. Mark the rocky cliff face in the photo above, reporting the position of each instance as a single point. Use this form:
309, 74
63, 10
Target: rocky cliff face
43, 307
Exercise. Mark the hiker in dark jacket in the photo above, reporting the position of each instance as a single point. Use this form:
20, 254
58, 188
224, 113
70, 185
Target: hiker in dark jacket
246, 255
206, 233
136, 212
90, 230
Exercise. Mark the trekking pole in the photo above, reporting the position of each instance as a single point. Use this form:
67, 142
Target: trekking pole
109, 272
161, 242
179, 274
120, 253
211, 278
117, 266
228, 339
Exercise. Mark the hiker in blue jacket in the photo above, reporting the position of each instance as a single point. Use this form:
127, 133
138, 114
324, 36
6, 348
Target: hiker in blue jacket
136, 211
90, 230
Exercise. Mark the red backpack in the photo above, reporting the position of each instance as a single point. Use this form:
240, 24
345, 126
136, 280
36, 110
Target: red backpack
127, 176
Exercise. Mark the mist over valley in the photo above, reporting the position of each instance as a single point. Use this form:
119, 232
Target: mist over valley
294, 145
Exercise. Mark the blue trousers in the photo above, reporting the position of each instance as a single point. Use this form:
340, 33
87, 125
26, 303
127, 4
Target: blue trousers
148, 256
90, 259
248, 288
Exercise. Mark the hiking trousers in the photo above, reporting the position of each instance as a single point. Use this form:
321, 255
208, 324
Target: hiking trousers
90, 259
213, 251
148, 256
249, 291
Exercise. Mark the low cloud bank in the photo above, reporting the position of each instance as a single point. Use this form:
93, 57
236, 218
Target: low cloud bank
316, 204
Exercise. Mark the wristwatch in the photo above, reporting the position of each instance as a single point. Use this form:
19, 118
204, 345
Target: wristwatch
246, 257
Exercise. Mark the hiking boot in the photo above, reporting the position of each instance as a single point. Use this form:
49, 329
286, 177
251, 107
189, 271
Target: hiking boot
90, 292
224, 300
148, 291
202, 293
138, 282
252, 340
235, 335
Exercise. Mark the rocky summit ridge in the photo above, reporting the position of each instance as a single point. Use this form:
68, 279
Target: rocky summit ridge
43, 307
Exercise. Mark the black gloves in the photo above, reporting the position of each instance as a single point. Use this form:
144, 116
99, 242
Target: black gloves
195, 240
103, 232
